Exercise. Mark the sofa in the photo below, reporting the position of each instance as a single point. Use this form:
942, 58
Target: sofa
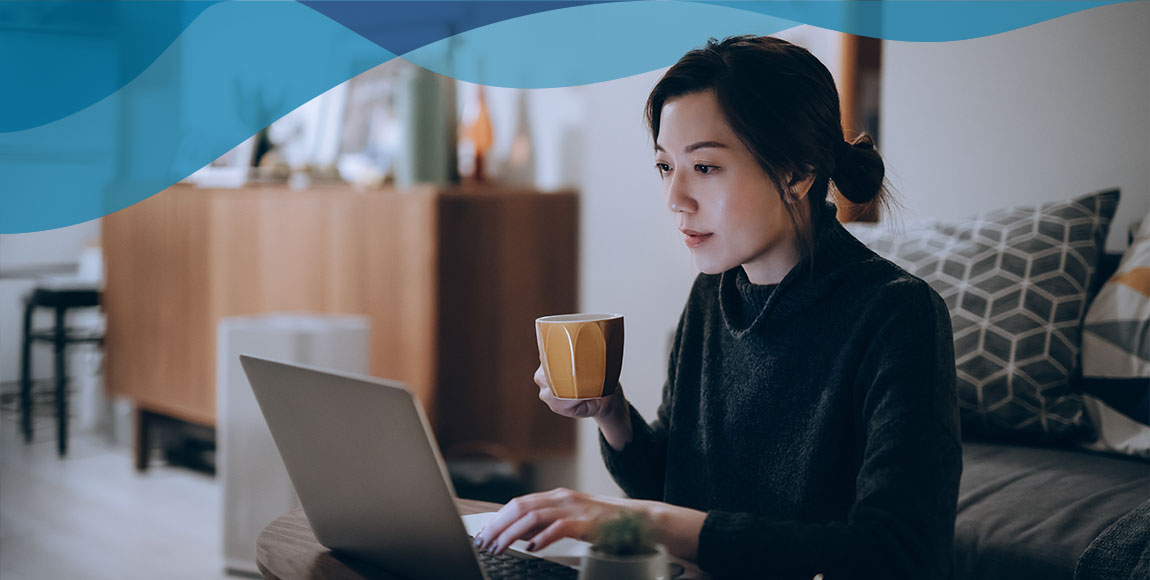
1051, 513
1040, 511
1042, 495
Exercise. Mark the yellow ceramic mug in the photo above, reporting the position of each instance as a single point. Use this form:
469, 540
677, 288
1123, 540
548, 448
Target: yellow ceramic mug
581, 354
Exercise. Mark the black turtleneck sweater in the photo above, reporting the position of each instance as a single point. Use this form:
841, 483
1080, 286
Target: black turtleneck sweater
815, 422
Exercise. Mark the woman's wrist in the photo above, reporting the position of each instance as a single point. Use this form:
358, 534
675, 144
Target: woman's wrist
615, 421
678, 527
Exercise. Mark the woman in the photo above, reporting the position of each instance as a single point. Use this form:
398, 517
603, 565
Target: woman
809, 420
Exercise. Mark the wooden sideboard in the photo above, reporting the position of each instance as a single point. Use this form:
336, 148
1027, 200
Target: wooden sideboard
451, 278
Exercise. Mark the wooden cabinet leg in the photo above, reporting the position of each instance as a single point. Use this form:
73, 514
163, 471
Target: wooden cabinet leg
143, 445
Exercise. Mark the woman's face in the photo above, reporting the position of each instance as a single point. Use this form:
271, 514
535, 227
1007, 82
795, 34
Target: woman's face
724, 203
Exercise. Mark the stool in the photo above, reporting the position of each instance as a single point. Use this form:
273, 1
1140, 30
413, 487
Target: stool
60, 299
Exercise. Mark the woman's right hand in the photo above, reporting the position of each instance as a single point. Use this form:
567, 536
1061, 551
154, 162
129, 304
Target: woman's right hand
612, 412
602, 408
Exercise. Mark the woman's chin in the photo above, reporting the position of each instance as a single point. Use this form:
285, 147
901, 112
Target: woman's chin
710, 266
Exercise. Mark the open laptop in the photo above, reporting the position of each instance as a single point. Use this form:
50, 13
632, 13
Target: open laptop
369, 476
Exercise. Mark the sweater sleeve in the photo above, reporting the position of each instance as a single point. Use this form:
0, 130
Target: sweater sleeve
640, 467
901, 524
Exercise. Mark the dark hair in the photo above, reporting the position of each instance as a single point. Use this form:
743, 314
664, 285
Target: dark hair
783, 105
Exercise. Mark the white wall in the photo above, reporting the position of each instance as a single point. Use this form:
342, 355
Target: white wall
49, 247
1043, 113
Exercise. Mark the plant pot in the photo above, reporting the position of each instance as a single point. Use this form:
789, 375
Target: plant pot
600, 566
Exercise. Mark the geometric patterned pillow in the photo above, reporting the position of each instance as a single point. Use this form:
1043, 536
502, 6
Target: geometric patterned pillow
1116, 354
1016, 282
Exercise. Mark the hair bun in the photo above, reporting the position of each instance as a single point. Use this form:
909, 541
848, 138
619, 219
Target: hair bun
859, 170
842, 152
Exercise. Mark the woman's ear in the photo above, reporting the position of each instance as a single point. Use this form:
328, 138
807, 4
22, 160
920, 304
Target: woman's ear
800, 184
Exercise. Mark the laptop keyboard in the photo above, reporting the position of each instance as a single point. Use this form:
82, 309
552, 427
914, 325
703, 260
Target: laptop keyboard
512, 566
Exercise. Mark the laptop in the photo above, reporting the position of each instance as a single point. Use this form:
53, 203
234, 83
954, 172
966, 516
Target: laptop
369, 476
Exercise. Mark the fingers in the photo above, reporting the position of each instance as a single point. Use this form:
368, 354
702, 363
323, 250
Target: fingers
525, 516
544, 389
530, 524
573, 409
506, 516
559, 529
588, 409
545, 518
544, 386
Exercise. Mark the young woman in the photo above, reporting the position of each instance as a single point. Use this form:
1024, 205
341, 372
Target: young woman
809, 420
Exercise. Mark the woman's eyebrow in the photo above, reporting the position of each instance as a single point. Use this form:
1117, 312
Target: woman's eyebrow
697, 146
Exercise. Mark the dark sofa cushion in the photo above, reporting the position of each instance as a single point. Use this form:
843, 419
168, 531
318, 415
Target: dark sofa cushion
1016, 281
1030, 512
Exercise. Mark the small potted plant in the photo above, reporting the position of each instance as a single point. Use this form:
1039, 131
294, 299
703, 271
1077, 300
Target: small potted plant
623, 547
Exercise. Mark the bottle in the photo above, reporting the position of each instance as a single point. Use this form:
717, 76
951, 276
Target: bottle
479, 135
425, 102
520, 167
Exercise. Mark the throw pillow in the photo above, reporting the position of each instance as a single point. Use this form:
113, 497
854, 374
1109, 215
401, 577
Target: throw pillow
1016, 281
1116, 354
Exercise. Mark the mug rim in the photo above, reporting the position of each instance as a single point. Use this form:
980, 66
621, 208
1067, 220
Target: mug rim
578, 317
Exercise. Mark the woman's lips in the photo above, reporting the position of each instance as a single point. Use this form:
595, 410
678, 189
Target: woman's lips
695, 239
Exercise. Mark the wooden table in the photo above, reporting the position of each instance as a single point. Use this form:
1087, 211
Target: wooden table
287, 550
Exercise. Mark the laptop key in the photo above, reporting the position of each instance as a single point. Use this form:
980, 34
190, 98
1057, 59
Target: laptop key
513, 566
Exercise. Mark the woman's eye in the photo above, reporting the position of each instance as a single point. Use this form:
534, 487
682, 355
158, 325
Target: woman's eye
705, 169
662, 168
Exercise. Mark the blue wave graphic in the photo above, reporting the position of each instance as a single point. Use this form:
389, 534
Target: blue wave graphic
109, 103
586, 44
401, 26
72, 54
236, 68
918, 20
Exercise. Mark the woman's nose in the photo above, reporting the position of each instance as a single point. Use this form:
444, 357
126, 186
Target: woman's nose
678, 199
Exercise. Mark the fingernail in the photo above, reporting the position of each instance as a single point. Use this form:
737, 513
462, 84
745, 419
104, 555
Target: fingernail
478, 541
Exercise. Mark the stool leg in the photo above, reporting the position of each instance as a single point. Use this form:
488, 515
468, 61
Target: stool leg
143, 443
26, 374
61, 382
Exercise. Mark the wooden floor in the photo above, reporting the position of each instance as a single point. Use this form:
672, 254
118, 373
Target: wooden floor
91, 516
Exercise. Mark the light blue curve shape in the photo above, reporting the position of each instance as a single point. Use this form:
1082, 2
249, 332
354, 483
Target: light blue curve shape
240, 65
917, 20
235, 69
72, 53
232, 72
586, 44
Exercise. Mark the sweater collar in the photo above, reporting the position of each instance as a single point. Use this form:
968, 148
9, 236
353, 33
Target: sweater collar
810, 279
751, 297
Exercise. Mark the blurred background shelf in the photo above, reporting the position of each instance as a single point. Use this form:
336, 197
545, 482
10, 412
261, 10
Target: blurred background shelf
452, 279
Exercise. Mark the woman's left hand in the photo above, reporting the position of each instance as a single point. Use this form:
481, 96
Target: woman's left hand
543, 518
